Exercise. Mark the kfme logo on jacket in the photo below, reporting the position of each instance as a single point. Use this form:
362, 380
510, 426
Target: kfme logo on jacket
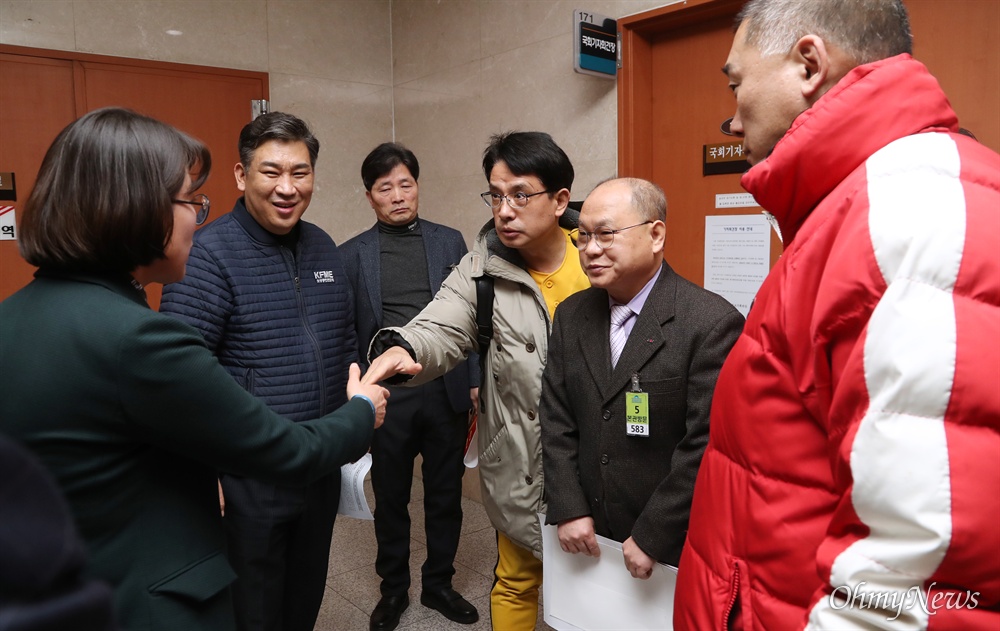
324, 277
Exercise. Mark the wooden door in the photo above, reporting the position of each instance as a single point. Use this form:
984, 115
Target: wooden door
959, 42
36, 102
212, 104
672, 98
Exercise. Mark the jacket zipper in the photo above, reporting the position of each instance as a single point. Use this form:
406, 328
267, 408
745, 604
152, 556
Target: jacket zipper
303, 316
734, 593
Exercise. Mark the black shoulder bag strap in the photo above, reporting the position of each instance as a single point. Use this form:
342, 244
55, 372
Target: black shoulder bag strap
484, 319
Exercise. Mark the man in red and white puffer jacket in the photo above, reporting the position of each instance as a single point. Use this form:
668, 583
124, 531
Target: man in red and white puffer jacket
852, 477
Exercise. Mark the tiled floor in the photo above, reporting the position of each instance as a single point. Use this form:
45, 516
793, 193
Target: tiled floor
352, 584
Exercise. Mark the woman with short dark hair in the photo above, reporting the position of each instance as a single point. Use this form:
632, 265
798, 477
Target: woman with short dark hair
103, 199
127, 407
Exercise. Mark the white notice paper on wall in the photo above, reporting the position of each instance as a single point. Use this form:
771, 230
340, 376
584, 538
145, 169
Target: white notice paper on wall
582, 593
353, 502
737, 257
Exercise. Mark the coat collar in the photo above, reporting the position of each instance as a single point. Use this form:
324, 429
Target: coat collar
644, 341
371, 263
254, 229
488, 244
371, 269
120, 283
870, 107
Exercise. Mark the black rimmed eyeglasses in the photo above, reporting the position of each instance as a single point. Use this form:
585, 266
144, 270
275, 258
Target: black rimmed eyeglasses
203, 204
604, 238
517, 201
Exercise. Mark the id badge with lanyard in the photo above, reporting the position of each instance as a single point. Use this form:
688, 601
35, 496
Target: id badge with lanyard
636, 410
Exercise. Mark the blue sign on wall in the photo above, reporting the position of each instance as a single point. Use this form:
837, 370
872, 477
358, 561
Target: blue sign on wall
595, 44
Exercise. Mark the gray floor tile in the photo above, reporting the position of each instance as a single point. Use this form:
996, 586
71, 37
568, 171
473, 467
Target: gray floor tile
353, 585
474, 517
353, 545
339, 614
478, 551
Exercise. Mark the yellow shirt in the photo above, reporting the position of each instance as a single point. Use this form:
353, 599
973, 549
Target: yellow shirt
565, 281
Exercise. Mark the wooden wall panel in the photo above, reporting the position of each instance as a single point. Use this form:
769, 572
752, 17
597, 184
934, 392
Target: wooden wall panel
43, 91
672, 98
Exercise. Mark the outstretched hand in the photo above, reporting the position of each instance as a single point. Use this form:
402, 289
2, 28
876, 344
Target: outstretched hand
393, 361
375, 392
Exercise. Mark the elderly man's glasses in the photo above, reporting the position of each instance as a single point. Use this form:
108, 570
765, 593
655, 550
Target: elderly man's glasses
604, 238
201, 201
516, 201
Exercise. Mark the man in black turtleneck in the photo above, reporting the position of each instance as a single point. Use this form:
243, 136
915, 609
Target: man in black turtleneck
396, 267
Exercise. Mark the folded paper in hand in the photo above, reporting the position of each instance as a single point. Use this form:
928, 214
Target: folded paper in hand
353, 502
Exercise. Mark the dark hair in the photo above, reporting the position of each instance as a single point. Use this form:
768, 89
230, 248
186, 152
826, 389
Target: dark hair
385, 158
867, 30
102, 198
275, 126
530, 153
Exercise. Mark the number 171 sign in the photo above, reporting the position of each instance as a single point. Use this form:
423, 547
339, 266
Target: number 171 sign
595, 44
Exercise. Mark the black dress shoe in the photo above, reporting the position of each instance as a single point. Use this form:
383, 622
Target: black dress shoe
451, 605
387, 612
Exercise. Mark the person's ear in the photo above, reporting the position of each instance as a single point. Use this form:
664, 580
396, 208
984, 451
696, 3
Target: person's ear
562, 201
658, 233
241, 176
814, 66
371, 202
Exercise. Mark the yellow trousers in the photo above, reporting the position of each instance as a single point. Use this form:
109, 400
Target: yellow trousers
514, 598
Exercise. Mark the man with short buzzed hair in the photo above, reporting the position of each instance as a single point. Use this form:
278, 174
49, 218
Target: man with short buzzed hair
851, 473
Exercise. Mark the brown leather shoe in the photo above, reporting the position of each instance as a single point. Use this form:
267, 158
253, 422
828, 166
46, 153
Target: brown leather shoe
386, 615
451, 605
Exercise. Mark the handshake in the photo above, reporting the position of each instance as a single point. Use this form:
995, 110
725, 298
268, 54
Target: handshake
395, 360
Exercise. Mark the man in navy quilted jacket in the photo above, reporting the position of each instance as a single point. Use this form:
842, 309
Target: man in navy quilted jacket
268, 292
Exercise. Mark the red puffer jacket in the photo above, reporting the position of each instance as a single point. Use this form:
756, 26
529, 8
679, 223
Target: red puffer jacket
852, 478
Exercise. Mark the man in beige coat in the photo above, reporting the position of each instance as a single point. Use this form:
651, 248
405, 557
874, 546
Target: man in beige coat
527, 255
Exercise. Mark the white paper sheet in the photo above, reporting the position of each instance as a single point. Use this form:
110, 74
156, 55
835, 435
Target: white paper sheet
737, 257
353, 502
582, 593
471, 458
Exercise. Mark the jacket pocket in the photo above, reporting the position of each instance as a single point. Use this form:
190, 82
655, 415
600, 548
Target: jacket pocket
497, 470
737, 612
198, 581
